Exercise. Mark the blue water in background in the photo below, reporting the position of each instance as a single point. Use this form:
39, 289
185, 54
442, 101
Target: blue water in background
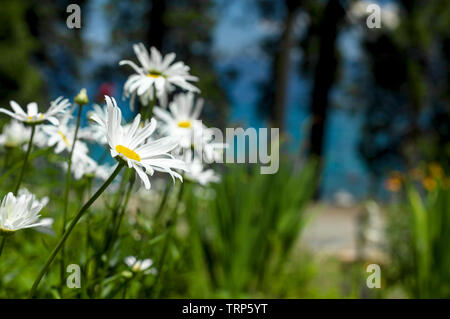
236, 40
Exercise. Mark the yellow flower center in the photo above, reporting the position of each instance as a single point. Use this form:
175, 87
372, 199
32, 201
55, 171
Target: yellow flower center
136, 267
184, 124
6, 232
429, 183
125, 151
64, 138
154, 74
30, 118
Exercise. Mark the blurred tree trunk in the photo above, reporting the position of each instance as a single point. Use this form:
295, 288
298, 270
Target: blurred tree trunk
281, 65
157, 28
416, 58
324, 75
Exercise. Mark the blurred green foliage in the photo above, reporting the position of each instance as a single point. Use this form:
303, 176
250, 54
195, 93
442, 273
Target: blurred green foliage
241, 239
419, 239
231, 239
19, 77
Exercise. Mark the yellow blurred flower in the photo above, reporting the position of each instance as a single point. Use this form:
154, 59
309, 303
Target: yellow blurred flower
394, 183
429, 183
436, 170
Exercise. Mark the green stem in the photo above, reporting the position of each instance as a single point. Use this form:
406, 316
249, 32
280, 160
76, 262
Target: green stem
124, 294
8, 154
27, 155
66, 194
163, 201
2, 244
72, 226
115, 231
172, 224
148, 114
124, 206
18, 164
69, 168
115, 208
119, 198
88, 236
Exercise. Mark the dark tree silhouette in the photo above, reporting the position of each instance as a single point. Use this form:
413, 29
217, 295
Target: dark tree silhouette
324, 74
281, 65
408, 110
157, 27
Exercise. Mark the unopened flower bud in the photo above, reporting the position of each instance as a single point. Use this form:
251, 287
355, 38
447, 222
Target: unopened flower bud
127, 274
82, 98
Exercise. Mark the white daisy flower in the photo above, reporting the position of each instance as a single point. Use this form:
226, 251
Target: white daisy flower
205, 147
33, 116
44, 201
46, 226
137, 265
15, 134
95, 132
61, 135
156, 72
82, 164
92, 134
98, 114
214, 152
131, 145
181, 121
20, 212
198, 174
40, 138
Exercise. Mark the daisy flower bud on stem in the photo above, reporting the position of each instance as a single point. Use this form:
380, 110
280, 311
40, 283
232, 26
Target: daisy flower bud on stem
72, 225
81, 98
